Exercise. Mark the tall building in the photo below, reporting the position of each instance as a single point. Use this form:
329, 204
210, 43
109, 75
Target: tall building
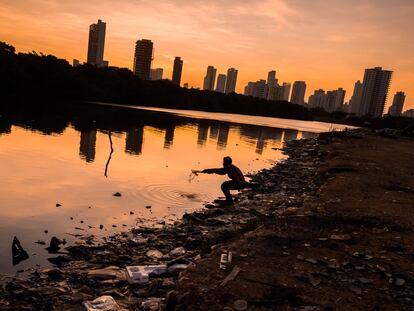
143, 58
271, 78
285, 91
409, 113
96, 44
221, 83
210, 78
397, 104
317, 99
355, 100
231, 80
339, 97
177, 71
298, 93
374, 91
156, 74
260, 89
248, 89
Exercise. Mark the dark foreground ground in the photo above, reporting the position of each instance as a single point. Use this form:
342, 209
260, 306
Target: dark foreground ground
346, 246
330, 228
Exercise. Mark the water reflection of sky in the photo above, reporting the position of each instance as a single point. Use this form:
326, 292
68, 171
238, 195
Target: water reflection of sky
150, 163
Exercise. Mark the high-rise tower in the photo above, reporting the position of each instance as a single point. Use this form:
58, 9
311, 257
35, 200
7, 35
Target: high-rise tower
210, 78
397, 104
177, 71
96, 44
374, 91
143, 58
298, 93
231, 80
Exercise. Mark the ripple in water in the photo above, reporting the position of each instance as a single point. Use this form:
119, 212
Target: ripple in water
164, 194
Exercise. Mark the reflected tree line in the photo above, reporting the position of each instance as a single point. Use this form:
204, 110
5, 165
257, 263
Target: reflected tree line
91, 120
257, 137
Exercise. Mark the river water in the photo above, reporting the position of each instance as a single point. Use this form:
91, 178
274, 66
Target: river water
60, 169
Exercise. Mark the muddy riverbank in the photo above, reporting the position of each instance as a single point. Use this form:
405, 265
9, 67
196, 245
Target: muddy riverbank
328, 228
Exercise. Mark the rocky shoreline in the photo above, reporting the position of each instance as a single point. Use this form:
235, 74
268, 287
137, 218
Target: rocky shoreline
71, 282
284, 208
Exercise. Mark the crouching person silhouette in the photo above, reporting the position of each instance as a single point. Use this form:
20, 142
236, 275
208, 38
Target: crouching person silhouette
236, 182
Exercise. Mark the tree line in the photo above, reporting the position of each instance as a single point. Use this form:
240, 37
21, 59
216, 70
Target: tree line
34, 76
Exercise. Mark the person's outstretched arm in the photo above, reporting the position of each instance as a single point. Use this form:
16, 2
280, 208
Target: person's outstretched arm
219, 171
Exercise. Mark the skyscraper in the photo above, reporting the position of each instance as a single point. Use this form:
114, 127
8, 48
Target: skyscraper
397, 104
143, 58
260, 89
178, 69
96, 44
285, 91
210, 78
317, 100
339, 97
156, 73
231, 80
355, 100
298, 93
374, 91
221, 83
271, 78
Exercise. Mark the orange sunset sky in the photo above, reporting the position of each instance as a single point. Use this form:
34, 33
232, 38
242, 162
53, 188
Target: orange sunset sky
326, 43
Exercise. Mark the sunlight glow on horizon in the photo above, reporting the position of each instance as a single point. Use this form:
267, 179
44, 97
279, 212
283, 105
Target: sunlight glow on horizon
326, 44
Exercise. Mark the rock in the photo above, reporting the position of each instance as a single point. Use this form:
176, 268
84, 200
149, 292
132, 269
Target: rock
148, 206
117, 194
168, 283
340, 237
311, 260
52, 272
179, 251
58, 204
40, 242
365, 281
131, 213
152, 304
101, 227
399, 282
355, 290
54, 245
103, 303
154, 254
240, 305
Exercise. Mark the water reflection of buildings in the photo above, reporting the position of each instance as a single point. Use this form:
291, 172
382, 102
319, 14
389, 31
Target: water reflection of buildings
290, 135
214, 129
223, 136
261, 136
169, 136
87, 145
134, 140
308, 135
202, 134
